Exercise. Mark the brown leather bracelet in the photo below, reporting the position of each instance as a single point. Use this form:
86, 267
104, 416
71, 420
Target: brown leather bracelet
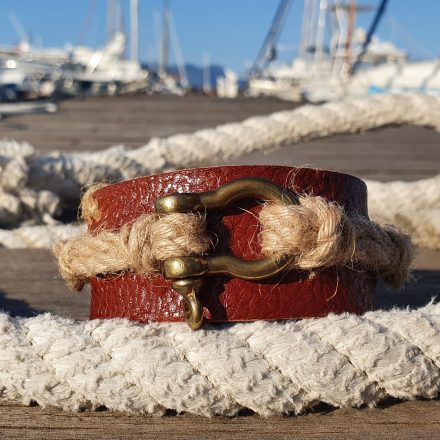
287, 295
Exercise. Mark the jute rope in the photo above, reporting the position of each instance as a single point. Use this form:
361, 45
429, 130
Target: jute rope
270, 368
137, 247
316, 233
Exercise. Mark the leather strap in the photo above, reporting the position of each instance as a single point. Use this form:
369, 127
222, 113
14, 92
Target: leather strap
290, 295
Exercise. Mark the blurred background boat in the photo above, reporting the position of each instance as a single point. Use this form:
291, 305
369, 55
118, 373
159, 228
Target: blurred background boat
336, 59
28, 72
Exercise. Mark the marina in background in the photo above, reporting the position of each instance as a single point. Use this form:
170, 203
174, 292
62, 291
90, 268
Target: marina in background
335, 59
27, 72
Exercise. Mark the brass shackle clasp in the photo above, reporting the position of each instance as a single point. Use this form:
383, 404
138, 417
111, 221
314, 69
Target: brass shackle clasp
187, 271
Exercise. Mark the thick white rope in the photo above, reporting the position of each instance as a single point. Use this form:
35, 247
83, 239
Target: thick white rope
414, 206
38, 236
64, 174
270, 368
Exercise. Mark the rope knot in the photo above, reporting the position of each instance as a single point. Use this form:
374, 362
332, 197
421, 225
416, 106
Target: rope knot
316, 232
137, 247
153, 238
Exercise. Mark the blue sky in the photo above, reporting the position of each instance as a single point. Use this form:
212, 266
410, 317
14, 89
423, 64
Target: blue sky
231, 31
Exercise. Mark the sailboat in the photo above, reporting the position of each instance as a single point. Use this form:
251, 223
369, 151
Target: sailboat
26, 71
29, 72
107, 70
164, 82
349, 62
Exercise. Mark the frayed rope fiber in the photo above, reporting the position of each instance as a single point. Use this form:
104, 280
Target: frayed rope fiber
316, 233
267, 367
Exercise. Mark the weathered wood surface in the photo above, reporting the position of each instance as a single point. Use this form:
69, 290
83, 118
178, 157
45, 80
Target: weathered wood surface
29, 283
408, 420
131, 120
390, 153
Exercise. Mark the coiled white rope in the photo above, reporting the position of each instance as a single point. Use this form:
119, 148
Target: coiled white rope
414, 206
270, 368
38, 236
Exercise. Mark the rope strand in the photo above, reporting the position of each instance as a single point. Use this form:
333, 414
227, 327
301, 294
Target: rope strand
270, 368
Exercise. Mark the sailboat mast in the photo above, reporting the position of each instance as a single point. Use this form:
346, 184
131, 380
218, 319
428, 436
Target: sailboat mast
164, 48
134, 37
312, 28
376, 20
349, 37
111, 9
319, 45
268, 48
305, 29
177, 52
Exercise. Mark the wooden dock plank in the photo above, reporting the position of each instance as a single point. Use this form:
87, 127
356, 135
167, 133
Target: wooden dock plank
131, 120
408, 420
389, 153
